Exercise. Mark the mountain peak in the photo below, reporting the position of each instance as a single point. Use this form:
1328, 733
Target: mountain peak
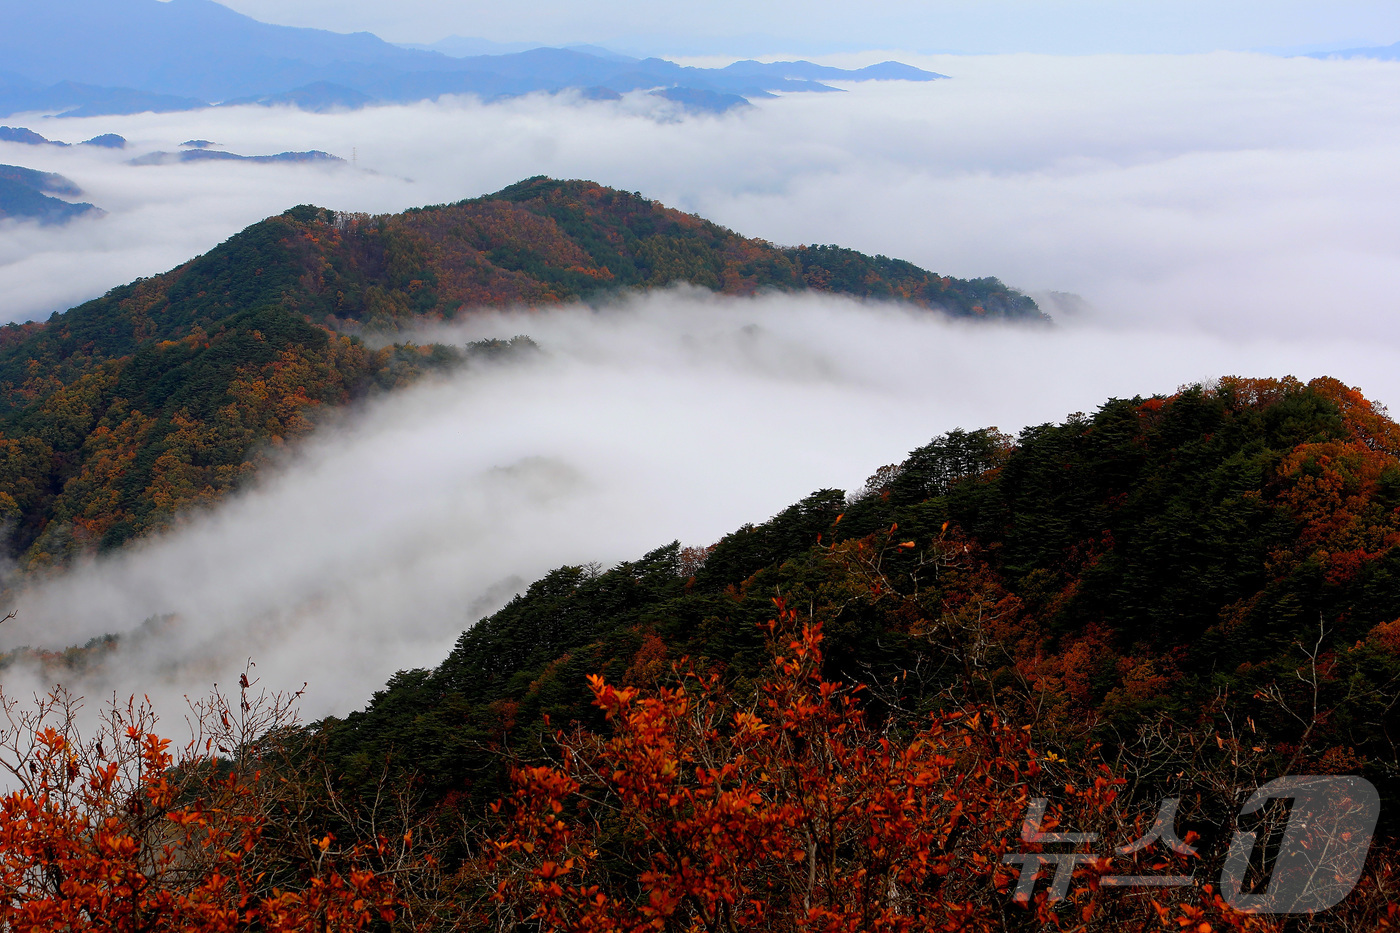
166, 361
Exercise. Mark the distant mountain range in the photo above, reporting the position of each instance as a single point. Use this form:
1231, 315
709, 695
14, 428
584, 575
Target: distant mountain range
1381, 52
91, 57
23, 134
204, 154
22, 95
158, 396
25, 194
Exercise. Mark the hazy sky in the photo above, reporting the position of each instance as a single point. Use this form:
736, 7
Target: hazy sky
741, 27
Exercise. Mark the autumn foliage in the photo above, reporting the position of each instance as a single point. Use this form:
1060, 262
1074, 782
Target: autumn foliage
123, 414
1176, 598
795, 809
117, 833
796, 805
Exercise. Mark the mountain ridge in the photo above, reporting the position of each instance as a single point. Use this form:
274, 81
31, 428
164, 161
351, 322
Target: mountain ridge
170, 391
1379, 52
1122, 586
87, 57
25, 194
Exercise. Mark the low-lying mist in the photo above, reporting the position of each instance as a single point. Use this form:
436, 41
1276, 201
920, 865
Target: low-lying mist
1231, 192
1219, 214
676, 415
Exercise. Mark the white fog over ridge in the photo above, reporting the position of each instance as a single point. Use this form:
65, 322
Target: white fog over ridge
1221, 214
1226, 192
678, 415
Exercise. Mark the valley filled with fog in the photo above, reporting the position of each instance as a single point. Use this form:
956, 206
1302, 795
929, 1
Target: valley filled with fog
1226, 191
1198, 216
673, 416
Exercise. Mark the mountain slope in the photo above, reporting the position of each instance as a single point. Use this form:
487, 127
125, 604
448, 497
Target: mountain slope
194, 48
47, 182
72, 99
1141, 578
166, 393
24, 195
1137, 617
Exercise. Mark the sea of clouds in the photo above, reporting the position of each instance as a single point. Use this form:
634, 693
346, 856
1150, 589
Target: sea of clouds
1230, 191
1220, 214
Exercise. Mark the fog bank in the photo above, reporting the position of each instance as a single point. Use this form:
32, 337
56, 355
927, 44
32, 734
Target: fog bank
1218, 214
1227, 192
676, 416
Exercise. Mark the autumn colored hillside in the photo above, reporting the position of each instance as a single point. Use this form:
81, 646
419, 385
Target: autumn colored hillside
1201, 591
1163, 561
839, 719
170, 391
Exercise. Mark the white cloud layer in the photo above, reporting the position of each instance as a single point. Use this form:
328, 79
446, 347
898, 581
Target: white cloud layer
677, 416
1227, 191
1221, 214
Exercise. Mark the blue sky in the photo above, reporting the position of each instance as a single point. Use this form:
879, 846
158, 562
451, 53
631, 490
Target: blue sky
743, 27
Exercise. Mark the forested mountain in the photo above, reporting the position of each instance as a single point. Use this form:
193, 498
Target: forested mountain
25, 193
1163, 561
1201, 591
836, 719
166, 392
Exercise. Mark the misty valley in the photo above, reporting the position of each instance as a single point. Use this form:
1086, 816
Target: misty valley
471, 484
1100, 598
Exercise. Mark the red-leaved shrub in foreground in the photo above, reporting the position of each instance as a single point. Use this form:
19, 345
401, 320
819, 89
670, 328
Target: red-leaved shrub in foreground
789, 809
116, 833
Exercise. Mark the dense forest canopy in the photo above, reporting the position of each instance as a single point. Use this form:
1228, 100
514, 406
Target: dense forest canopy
1196, 594
168, 392
1162, 563
835, 719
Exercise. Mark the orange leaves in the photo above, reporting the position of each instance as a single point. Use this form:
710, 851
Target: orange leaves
784, 807
1366, 420
124, 839
792, 814
1331, 490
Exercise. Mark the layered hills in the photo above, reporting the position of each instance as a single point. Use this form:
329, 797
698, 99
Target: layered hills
87, 57
1137, 617
23, 134
170, 391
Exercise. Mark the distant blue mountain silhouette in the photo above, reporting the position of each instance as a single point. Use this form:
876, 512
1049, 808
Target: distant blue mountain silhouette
201, 154
23, 196
107, 141
21, 95
44, 182
1383, 52
23, 134
90, 57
